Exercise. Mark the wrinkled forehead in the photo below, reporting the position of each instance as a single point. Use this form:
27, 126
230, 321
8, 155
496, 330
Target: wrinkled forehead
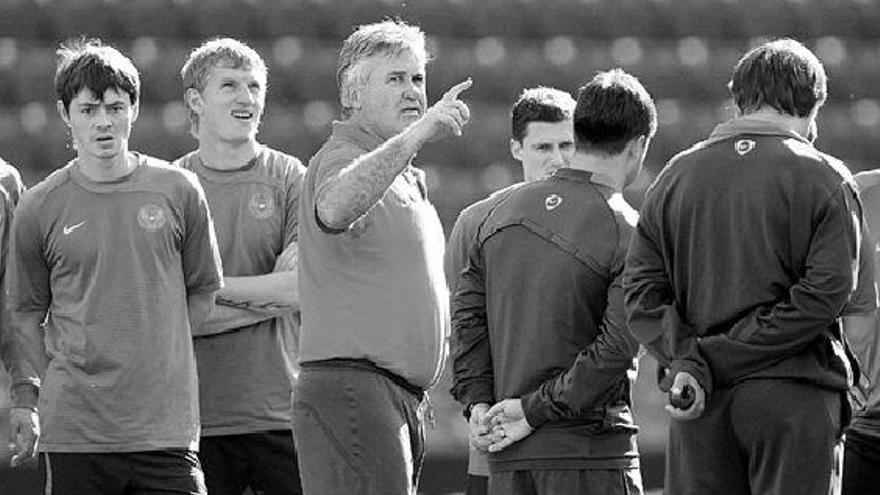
238, 68
385, 62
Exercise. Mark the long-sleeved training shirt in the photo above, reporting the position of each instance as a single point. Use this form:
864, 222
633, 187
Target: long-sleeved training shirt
538, 315
745, 255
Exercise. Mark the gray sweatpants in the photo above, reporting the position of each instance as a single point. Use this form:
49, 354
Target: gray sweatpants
356, 431
758, 437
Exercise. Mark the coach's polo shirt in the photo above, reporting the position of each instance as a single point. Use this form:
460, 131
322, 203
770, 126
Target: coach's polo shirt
376, 290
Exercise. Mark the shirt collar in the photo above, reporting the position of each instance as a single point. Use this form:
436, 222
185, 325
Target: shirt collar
573, 174
357, 133
751, 124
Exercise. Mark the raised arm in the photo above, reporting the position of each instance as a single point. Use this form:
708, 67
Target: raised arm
354, 189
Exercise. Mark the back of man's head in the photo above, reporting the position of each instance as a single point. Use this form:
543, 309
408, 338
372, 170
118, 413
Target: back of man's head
539, 104
612, 109
389, 38
89, 64
781, 74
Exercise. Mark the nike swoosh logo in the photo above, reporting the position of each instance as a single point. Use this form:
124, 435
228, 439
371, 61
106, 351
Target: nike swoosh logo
70, 228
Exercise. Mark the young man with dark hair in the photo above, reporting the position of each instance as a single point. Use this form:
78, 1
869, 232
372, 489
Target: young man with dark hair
374, 298
113, 261
538, 323
246, 350
542, 141
746, 255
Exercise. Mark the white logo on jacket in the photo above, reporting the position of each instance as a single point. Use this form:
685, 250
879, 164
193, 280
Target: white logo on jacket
743, 146
552, 201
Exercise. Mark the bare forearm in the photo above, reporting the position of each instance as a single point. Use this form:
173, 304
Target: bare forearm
199, 306
358, 187
225, 318
276, 289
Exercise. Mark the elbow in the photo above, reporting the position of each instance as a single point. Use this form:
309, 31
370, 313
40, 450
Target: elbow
331, 216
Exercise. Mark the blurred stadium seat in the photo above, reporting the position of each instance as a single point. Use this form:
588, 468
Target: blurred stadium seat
682, 50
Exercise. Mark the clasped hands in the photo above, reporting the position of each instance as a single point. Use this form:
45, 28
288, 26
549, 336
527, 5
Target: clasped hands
492, 429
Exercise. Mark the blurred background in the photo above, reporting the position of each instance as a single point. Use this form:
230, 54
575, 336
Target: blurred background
682, 50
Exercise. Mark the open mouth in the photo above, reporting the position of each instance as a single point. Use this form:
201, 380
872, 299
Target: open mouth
412, 111
243, 114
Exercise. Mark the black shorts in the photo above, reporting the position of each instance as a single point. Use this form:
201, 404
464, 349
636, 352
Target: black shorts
160, 472
264, 461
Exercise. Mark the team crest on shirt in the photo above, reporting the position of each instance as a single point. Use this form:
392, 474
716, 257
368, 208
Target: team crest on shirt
151, 217
262, 205
743, 146
552, 201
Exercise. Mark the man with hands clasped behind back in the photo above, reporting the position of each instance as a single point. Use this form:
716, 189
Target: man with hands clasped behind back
538, 317
541, 141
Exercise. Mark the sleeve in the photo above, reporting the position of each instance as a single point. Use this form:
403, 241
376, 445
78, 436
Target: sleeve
596, 373
26, 290
293, 186
328, 166
770, 334
456, 249
473, 378
651, 313
864, 298
202, 268
27, 273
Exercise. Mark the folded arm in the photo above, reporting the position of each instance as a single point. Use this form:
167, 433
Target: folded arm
245, 301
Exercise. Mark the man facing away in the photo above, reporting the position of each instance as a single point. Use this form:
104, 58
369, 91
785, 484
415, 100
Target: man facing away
117, 254
246, 349
538, 319
542, 141
374, 298
745, 256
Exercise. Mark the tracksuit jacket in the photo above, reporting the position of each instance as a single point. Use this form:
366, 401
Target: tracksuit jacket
538, 315
746, 253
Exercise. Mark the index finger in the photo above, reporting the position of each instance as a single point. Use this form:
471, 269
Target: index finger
453, 92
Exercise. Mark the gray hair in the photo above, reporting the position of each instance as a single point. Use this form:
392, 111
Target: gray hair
390, 38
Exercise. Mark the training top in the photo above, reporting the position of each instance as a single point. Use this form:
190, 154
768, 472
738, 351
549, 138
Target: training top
463, 232
112, 263
11, 189
245, 375
375, 290
745, 255
867, 347
538, 315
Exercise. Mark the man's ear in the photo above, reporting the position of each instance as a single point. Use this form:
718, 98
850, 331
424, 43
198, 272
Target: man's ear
193, 100
351, 97
135, 111
516, 149
62, 111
